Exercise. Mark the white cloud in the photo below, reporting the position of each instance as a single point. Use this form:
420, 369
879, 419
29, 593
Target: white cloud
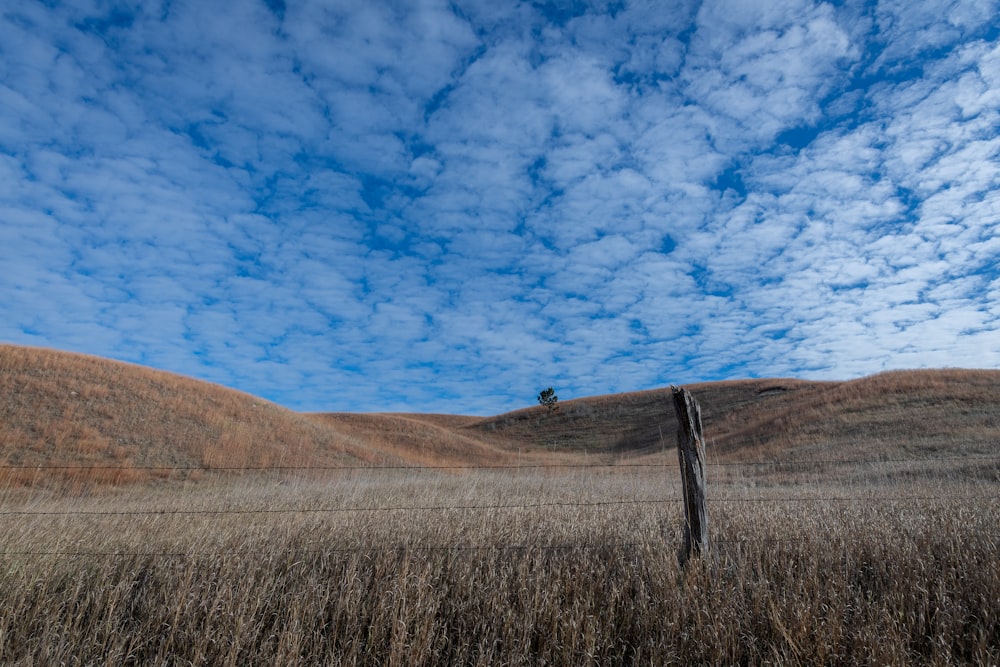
910, 28
376, 206
765, 66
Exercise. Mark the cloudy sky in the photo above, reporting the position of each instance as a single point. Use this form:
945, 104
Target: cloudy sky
427, 205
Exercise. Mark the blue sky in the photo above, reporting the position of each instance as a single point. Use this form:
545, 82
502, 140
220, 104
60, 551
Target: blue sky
449, 206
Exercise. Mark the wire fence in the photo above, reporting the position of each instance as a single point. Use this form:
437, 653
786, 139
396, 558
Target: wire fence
498, 506
480, 466
899, 503
414, 548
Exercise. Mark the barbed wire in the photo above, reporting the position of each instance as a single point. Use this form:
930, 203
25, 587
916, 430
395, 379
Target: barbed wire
530, 466
307, 510
666, 541
908, 502
337, 550
499, 506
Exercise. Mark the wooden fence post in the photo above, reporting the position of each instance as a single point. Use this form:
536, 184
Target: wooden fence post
691, 452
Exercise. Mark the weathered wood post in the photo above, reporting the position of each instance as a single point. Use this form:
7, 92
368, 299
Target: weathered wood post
691, 452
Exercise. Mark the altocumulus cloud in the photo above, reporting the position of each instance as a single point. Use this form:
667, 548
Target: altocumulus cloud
446, 206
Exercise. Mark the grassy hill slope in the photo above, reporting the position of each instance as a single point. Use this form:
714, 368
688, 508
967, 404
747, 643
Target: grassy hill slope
431, 440
901, 413
58, 408
67, 409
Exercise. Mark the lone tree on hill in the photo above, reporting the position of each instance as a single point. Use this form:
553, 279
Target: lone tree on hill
549, 399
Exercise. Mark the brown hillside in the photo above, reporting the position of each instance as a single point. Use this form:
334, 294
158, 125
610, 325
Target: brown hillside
68, 409
900, 414
73, 410
905, 414
421, 440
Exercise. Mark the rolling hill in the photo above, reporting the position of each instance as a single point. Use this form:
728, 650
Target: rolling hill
130, 423
62, 409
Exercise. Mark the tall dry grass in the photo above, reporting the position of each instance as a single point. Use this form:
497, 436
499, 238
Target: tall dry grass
510, 567
820, 559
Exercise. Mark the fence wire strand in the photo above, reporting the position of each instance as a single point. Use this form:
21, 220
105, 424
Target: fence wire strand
529, 466
498, 506
421, 548
898, 503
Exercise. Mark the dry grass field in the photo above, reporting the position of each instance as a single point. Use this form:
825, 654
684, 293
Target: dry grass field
151, 519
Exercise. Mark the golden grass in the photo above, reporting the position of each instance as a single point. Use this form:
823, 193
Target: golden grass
912, 414
393, 567
127, 424
74, 410
851, 523
899, 415
416, 439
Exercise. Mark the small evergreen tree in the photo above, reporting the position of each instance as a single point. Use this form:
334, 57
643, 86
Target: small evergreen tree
549, 399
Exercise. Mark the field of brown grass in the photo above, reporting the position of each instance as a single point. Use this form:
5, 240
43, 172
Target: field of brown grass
522, 567
153, 519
